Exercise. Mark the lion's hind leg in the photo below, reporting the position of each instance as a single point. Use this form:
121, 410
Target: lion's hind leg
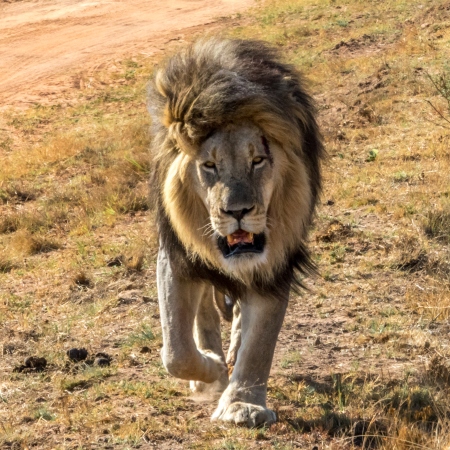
231, 312
235, 338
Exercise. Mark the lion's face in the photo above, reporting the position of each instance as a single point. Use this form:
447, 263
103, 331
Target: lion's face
234, 177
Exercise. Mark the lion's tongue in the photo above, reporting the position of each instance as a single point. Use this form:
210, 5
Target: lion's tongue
240, 236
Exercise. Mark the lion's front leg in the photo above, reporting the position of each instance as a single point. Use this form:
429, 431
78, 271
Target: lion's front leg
209, 340
244, 401
179, 301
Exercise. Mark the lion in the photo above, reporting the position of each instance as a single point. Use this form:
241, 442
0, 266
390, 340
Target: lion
236, 175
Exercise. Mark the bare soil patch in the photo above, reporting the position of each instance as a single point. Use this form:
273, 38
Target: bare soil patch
46, 44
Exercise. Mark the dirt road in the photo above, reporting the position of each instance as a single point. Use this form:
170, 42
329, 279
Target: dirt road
43, 42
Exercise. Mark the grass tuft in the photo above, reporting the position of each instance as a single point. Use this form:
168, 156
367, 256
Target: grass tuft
437, 225
6, 264
31, 244
44, 414
441, 86
144, 336
81, 279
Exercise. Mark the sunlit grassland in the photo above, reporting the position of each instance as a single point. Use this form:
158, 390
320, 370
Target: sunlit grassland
76, 235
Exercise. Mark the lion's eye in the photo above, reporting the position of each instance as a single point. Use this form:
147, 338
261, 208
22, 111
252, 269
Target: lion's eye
258, 160
209, 164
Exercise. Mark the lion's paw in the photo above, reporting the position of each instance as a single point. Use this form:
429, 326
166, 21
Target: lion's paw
213, 389
219, 385
247, 414
217, 367
219, 373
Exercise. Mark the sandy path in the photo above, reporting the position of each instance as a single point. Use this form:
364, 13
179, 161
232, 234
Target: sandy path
43, 42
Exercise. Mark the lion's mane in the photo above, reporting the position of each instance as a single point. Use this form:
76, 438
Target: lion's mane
211, 84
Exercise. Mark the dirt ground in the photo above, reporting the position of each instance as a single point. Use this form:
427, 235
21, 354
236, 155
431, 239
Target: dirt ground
44, 45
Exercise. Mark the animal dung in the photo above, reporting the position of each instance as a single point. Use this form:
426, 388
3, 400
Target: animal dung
77, 354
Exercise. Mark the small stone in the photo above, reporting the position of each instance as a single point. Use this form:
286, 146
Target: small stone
133, 362
27, 419
8, 349
341, 136
131, 296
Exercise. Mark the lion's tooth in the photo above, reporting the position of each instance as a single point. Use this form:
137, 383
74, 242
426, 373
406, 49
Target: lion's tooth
250, 236
230, 239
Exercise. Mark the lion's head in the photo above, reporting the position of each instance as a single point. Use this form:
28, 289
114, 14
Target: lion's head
237, 158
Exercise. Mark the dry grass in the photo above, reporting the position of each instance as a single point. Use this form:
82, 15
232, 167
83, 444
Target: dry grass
437, 224
363, 360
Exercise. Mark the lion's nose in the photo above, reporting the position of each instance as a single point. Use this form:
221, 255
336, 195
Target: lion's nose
238, 214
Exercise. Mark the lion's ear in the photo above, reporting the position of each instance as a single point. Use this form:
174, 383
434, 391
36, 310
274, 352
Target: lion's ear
168, 119
161, 83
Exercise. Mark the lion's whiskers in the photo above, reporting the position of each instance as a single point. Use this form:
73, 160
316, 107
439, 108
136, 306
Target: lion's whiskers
211, 233
208, 230
208, 224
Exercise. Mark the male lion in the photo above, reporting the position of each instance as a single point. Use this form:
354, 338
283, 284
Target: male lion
236, 176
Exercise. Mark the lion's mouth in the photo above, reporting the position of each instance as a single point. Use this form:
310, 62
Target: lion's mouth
241, 241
